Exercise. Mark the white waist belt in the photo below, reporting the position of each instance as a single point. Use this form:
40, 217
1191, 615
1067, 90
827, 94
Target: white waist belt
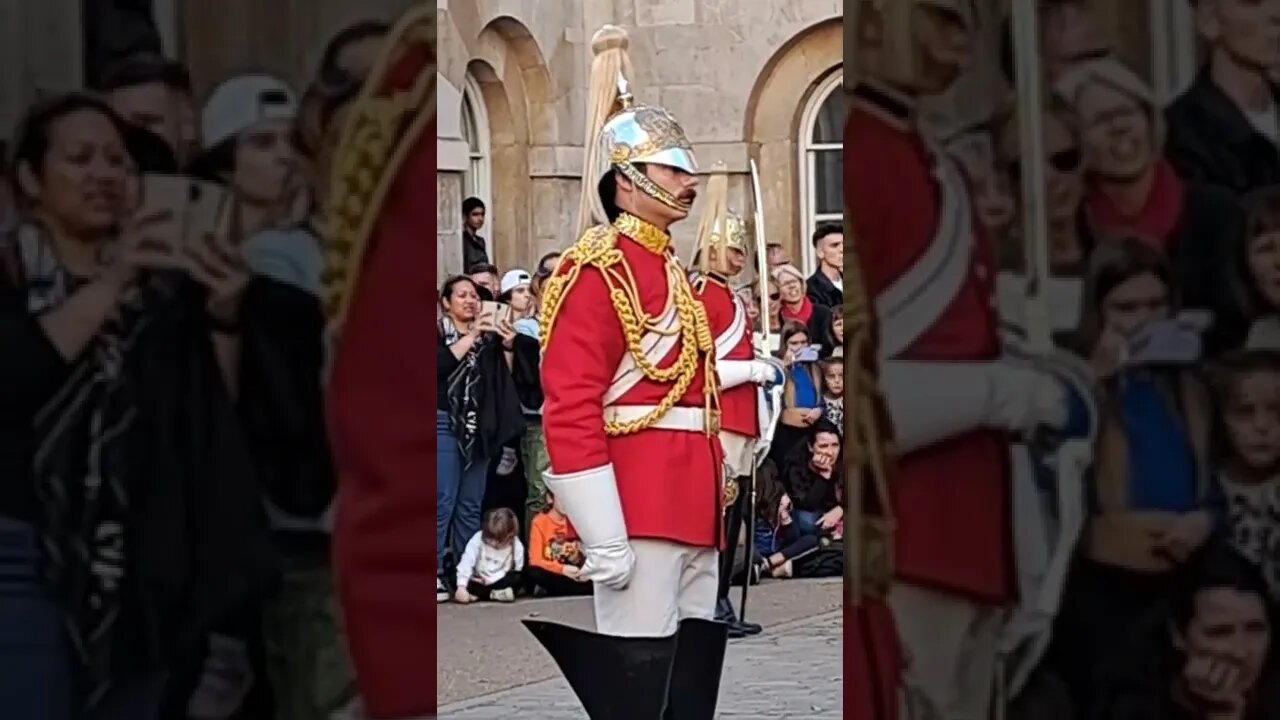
689, 419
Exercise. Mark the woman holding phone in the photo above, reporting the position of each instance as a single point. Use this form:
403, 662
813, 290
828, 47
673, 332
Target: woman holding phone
1152, 491
115, 424
477, 412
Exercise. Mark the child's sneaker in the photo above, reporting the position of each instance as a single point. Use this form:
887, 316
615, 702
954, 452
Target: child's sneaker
442, 593
503, 595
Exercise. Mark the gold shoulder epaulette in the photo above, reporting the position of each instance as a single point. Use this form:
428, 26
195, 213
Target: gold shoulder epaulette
598, 248
387, 120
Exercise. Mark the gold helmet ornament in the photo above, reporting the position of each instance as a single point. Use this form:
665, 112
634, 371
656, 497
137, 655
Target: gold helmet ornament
621, 134
721, 230
895, 36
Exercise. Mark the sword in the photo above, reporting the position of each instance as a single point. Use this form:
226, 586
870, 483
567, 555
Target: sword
762, 349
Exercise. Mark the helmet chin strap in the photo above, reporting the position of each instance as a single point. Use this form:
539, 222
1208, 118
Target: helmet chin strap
651, 188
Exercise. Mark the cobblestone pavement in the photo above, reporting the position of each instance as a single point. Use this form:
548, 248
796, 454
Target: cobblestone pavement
791, 671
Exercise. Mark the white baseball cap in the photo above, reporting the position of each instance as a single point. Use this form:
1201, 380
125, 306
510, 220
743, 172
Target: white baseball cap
514, 279
241, 102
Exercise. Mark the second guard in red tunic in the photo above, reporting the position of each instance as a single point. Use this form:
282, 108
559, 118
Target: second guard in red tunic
721, 255
631, 417
953, 399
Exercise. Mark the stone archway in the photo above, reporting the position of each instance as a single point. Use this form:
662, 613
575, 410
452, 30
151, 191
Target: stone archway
503, 59
778, 99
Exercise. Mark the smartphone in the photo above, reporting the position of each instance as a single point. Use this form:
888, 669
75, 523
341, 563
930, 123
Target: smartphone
194, 209
207, 212
500, 312
808, 354
165, 195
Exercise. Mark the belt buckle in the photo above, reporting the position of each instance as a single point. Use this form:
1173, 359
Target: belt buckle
713, 422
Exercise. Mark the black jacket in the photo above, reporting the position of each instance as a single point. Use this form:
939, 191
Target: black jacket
1200, 253
824, 292
1211, 141
473, 251
282, 398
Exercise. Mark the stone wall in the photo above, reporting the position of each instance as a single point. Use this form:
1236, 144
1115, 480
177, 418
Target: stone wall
737, 75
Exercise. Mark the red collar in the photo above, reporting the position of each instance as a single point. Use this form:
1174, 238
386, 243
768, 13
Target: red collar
1157, 219
803, 315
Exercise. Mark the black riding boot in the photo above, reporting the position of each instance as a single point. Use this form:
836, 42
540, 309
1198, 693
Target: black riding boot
615, 678
695, 675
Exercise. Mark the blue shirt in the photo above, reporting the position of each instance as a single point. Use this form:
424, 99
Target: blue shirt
806, 393
1162, 473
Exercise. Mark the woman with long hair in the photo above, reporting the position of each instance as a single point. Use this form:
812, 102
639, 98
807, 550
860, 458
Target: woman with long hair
131, 518
1151, 488
477, 413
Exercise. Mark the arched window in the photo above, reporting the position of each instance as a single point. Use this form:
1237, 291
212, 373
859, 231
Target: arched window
475, 132
821, 162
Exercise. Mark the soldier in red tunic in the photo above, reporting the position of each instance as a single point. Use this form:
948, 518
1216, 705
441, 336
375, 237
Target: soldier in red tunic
381, 380
722, 254
954, 399
631, 420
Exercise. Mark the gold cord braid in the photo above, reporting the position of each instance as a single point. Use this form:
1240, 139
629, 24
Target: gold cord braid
868, 447
598, 249
384, 126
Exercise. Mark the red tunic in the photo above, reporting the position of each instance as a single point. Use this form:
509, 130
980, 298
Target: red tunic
669, 481
379, 398
737, 404
953, 499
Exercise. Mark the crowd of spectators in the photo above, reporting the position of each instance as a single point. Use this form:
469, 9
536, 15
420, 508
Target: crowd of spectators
492, 453
165, 519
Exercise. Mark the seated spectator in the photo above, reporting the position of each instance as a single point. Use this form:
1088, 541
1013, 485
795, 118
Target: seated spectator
1255, 271
800, 506
554, 559
1209, 656
1247, 390
826, 285
1151, 491
491, 564
833, 391
802, 392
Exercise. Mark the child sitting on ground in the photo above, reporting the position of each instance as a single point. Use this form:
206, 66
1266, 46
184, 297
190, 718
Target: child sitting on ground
1247, 385
491, 564
554, 560
833, 390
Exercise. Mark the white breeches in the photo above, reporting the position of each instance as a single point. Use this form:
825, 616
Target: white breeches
739, 452
951, 645
670, 582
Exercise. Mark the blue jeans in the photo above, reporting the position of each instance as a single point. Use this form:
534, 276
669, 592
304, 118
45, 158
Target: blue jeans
35, 660
459, 493
37, 674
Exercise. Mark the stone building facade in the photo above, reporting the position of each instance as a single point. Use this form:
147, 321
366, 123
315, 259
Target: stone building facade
42, 44
746, 79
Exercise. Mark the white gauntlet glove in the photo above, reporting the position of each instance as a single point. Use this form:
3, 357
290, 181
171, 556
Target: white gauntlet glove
733, 373
590, 500
933, 402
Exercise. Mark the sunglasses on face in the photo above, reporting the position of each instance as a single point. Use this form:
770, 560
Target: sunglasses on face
1063, 161
775, 296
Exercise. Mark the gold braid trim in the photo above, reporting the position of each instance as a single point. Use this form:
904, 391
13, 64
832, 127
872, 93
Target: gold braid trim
598, 249
383, 128
868, 447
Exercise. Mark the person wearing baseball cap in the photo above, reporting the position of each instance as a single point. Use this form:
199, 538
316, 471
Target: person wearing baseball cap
246, 141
